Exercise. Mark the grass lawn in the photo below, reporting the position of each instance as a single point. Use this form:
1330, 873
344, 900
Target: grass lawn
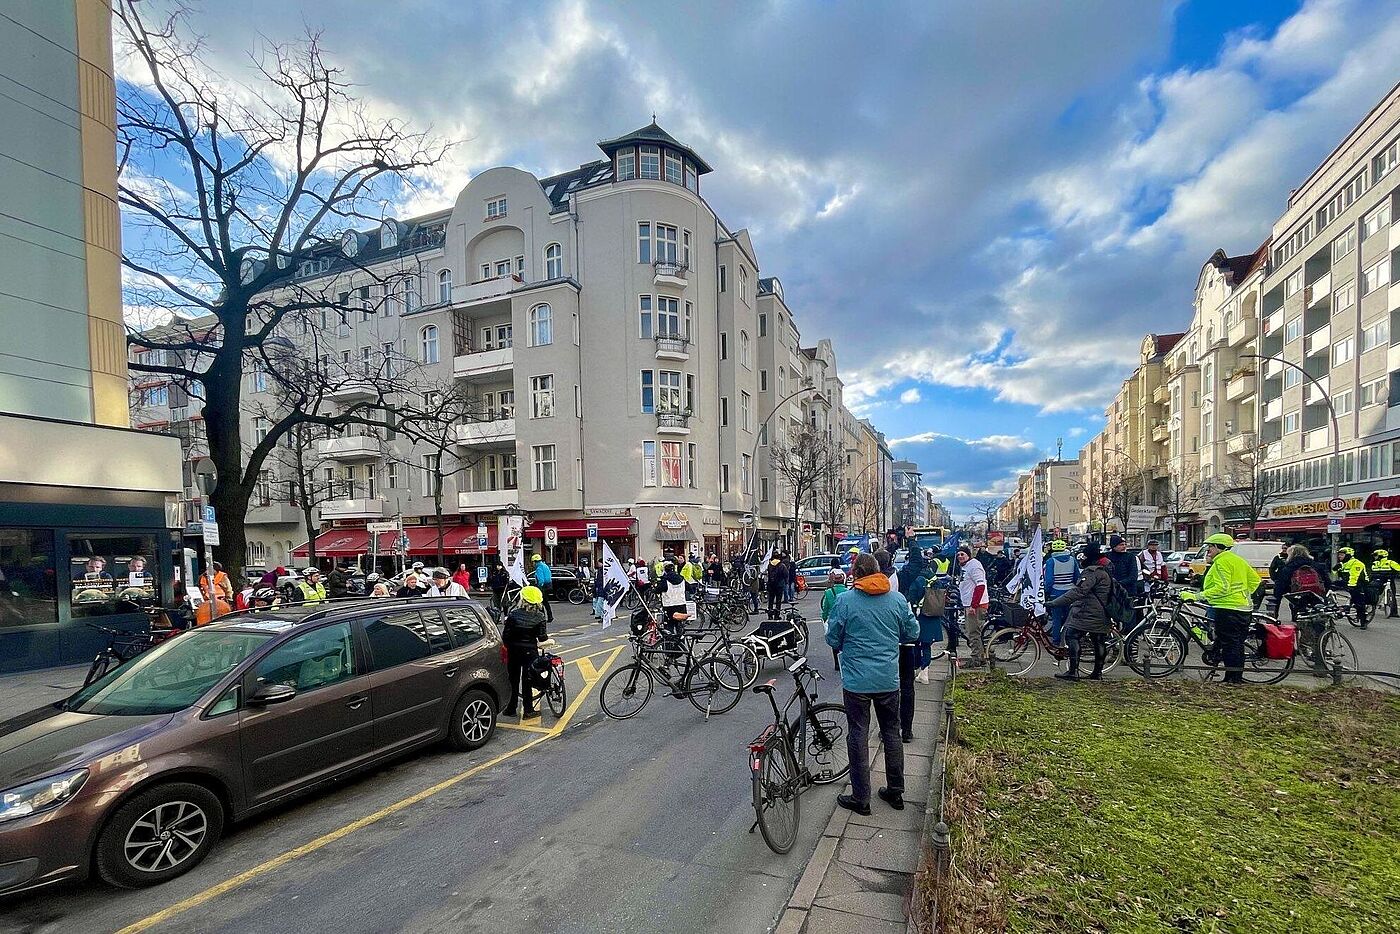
1127, 806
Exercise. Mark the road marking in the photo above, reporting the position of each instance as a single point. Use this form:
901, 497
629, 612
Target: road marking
585, 668
614, 638
248, 875
575, 648
547, 731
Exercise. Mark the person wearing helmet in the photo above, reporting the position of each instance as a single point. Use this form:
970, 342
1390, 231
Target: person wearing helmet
525, 628
1228, 588
263, 598
1357, 580
544, 580
310, 586
1382, 572
1061, 574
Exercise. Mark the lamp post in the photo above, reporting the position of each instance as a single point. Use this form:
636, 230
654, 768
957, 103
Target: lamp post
753, 460
1336, 438
1142, 472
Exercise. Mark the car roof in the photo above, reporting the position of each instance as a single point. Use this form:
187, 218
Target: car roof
284, 618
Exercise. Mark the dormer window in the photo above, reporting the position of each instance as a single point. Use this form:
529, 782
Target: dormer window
388, 235
495, 208
626, 164
349, 243
651, 162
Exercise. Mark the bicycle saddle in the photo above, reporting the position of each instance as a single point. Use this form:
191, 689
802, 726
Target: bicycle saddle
766, 688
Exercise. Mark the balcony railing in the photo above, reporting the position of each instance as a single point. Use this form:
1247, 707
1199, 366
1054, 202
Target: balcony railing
480, 500
1240, 443
353, 447
352, 392
497, 431
372, 508
483, 362
667, 273
1240, 386
672, 347
1162, 395
673, 423
1160, 432
1243, 330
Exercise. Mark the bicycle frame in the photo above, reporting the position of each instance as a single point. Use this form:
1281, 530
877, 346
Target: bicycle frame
785, 727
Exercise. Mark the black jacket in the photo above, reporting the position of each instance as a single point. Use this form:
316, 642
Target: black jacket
777, 575
1283, 577
524, 628
407, 591
499, 579
337, 583
1125, 570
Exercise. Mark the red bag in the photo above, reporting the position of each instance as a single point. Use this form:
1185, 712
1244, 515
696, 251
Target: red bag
1280, 641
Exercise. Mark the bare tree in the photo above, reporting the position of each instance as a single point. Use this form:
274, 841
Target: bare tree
1180, 500
804, 464
1113, 494
229, 192
292, 477
1247, 489
985, 511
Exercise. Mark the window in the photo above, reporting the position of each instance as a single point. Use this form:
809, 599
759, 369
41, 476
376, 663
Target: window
466, 625
429, 474
724, 345
724, 278
1344, 296
651, 162
1292, 284
1344, 244
743, 283
1376, 221
671, 464
744, 349
762, 380
724, 411
428, 344
690, 471
1285, 251
644, 242
673, 168
1385, 161
1291, 377
744, 412
626, 164
1377, 335
495, 208
1342, 403
445, 287
405, 636
668, 388
543, 458
648, 392
746, 475
685, 248
541, 326
724, 478
520, 266
692, 179
644, 326
648, 463
485, 271
261, 426
666, 244
102, 568
1343, 350
1373, 393
160, 395
763, 489
762, 325
554, 261
502, 269
542, 396
668, 317
1375, 277
391, 475
312, 660
1293, 329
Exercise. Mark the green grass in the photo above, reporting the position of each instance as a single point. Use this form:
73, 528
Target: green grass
1127, 807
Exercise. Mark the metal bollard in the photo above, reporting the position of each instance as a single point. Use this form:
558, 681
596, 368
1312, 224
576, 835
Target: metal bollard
1336, 671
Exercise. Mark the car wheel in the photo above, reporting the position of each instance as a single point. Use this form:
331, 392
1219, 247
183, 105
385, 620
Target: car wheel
159, 834
473, 721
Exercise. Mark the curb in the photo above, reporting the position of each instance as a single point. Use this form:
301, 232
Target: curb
933, 808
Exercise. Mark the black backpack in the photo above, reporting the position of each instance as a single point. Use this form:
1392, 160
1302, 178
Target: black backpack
1118, 606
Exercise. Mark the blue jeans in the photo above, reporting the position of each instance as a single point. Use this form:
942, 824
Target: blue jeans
1059, 615
789, 590
599, 605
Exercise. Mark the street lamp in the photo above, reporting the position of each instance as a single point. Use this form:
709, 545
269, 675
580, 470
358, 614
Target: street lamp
1336, 438
753, 459
1142, 471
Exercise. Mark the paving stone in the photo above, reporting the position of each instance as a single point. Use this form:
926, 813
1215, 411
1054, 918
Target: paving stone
845, 879
883, 905
826, 921
806, 890
884, 816
892, 850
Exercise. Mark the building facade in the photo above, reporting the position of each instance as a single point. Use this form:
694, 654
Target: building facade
910, 504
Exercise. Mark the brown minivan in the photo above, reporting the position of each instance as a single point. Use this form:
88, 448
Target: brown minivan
135, 775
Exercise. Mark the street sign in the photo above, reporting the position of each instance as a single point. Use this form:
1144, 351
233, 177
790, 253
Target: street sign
1336, 504
481, 574
1334, 526
592, 531
1141, 518
210, 527
1336, 516
551, 536
381, 526
401, 545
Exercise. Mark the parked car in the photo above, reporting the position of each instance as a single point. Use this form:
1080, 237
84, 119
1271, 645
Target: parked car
1171, 562
562, 580
1259, 554
814, 570
135, 776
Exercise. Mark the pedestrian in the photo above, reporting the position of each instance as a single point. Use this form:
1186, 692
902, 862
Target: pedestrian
714, 572
600, 591
886, 562
498, 581
338, 582
1124, 566
463, 577
1383, 572
1153, 561
641, 577
1304, 581
312, 590
1357, 581
1088, 612
410, 586
445, 586
544, 580
777, 583
929, 602
866, 626
673, 613
972, 590
1228, 588
756, 578
525, 628
790, 581
1061, 574
223, 587
835, 587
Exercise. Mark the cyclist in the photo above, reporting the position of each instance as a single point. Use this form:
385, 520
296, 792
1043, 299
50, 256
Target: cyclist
1228, 588
1305, 580
1357, 580
310, 586
525, 628
673, 612
1383, 572
263, 598
1061, 574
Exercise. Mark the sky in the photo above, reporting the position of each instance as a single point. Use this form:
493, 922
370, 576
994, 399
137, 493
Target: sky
984, 204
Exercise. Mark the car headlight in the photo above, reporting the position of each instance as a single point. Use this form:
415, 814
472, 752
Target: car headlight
43, 795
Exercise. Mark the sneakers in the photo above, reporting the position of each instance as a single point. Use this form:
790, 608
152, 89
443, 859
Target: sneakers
971, 663
922, 676
850, 803
1067, 676
894, 799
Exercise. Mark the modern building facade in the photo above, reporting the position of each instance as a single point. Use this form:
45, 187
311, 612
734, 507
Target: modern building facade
83, 499
910, 503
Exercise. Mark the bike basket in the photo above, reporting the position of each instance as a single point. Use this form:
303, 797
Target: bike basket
1280, 641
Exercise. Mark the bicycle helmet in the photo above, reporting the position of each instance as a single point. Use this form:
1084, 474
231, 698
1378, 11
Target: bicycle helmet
1221, 540
532, 595
1058, 545
263, 595
1345, 552
1380, 553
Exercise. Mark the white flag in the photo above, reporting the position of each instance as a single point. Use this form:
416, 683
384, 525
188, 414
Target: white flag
516, 568
616, 583
1030, 573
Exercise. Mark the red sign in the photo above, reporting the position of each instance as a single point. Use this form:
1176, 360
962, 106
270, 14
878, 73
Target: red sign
1377, 501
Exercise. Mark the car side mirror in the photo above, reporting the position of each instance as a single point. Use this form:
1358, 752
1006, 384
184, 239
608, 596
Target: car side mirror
271, 694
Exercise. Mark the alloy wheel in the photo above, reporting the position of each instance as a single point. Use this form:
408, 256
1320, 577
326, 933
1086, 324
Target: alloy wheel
476, 721
165, 836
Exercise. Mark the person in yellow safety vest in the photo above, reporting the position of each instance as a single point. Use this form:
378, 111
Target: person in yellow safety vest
1383, 571
312, 590
1357, 580
1228, 587
941, 566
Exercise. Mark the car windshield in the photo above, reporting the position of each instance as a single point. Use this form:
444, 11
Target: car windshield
169, 677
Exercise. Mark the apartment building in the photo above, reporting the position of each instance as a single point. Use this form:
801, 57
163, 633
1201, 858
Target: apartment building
1328, 311
869, 480
626, 363
910, 504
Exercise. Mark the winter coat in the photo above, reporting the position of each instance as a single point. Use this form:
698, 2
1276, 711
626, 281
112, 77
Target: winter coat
1125, 570
866, 626
777, 575
1230, 583
524, 628
338, 582
1283, 576
1088, 599
829, 599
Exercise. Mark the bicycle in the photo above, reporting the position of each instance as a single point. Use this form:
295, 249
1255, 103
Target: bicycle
553, 685
1156, 648
778, 777
577, 596
712, 684
1017, 649
1320, 644
766, 648
122, 646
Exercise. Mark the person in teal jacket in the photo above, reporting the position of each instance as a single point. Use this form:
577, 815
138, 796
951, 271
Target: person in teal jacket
866, 626
835, 587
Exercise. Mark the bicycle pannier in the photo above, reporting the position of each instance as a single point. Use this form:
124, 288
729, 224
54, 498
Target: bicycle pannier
1280, 641
1307, 580
935, 601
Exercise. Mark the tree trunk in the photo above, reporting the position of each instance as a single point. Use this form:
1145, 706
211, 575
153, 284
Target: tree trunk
437, 510
223, 389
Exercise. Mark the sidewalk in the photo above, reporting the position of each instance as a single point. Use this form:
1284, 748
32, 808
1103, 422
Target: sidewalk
860, 875
22, 691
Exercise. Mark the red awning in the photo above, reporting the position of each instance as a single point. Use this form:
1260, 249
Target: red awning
1386, 520
337, 543
1300, 524
422, 540
578, 528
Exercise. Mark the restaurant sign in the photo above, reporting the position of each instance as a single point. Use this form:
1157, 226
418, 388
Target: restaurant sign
1373, 502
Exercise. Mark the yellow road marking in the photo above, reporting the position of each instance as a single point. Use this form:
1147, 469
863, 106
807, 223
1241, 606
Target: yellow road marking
585, 668
614, 638
228, 885
547, 731
575, 648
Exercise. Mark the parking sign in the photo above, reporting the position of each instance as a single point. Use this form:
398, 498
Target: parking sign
592, 531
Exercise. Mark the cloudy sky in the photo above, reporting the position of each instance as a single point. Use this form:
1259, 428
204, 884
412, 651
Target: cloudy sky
1010, 196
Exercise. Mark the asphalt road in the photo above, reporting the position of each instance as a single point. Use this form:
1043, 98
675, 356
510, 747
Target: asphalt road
639, 825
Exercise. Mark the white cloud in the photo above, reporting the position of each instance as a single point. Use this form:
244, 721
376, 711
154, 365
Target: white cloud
910, 396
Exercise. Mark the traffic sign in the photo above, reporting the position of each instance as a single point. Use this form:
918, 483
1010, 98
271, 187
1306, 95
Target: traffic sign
1336, 504
481, 574
551, 536
592, 531
210, 527
1334, 526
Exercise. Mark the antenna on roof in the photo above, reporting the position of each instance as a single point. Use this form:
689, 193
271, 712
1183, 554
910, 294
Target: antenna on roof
653, 116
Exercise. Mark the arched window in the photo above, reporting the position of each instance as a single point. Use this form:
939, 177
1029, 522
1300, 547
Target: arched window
445, 287
744, 347
428, 344
554, 261
541, 326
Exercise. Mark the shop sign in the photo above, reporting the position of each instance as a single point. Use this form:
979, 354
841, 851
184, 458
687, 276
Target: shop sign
608, 512
1372, 502
673, 521
709, 520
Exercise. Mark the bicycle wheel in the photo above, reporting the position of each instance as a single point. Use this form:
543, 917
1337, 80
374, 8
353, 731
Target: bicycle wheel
1112, 654
777, 797
707, 685
101, 664
1258, 667
1337, 651
1013, 650
746, 660
577, 597
825, 757
557, 693
626, 691
1155, 650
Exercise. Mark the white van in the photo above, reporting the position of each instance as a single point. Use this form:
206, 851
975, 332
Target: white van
1259, 554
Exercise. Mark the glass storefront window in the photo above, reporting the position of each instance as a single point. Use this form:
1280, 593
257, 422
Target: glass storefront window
28, 592
112, 573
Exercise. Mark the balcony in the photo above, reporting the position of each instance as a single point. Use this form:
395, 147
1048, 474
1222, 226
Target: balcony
485, 289
1162, 394
672, 274
1273, 322
483, 362
673, 423
1319, 289
477, 434
352, 448
1273, 369
1241, 386
1273, 409
1160, 432
273, 514
1243, 331
1318, 341
1240, 443
672, 347
352, 509
483, 500
1315, 395
352, 392
1314, 440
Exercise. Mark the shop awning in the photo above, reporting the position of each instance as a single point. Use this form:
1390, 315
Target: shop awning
337, 543
1386, 520
1355, 523
578, 528
1301, 524
422, 541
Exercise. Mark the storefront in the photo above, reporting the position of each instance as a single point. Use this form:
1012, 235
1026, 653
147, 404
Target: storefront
572, 546
1369, 521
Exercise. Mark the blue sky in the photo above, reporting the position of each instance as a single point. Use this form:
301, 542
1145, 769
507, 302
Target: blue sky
984, 205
